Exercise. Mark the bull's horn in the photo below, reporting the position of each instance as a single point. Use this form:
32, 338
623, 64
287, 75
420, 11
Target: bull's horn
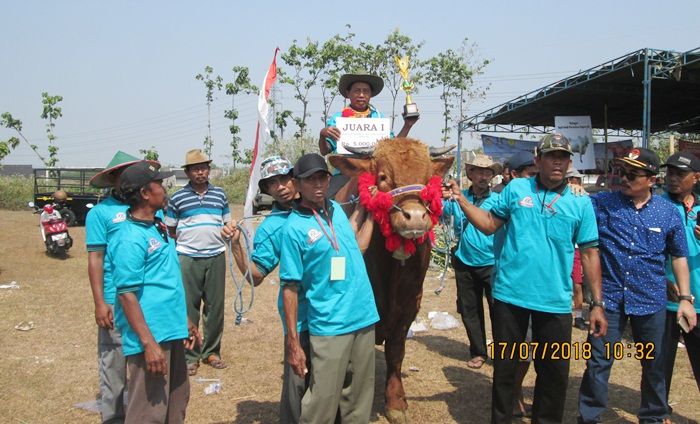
362, 151
439, 151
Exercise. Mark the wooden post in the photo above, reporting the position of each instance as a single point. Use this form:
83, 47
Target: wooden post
671, 145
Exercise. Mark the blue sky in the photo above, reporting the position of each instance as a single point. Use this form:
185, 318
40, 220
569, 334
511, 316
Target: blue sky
126, 69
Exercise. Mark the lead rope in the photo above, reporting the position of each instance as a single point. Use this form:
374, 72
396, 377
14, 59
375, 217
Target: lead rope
448, 239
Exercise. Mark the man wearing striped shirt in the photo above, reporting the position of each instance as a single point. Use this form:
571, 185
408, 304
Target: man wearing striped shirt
196, 213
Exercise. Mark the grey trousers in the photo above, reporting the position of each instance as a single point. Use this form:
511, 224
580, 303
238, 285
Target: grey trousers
293, 386
158, 399
342, 378
111, 366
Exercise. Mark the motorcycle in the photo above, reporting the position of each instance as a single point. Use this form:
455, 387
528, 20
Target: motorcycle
54, 230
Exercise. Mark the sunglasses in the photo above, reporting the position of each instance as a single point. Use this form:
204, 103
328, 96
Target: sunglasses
628, 174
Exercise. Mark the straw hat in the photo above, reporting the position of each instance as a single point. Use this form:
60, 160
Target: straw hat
484, 161
194, 157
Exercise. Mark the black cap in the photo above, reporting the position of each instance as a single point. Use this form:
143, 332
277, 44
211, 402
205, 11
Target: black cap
685, 161
309, 164
138, 175
520, 160
641, 158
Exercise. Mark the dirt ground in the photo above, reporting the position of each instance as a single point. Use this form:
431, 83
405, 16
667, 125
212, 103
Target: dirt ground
49, 369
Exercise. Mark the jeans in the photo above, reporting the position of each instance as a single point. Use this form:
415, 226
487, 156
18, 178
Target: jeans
510, 324
593, 394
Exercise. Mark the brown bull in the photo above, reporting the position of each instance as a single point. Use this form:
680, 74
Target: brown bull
400, 167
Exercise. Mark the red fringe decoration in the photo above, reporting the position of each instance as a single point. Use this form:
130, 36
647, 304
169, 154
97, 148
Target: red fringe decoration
380, 206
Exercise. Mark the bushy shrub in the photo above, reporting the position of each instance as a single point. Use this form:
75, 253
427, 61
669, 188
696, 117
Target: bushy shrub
15, 192
234, 184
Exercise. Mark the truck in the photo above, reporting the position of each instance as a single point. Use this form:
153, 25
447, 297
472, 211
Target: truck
76, 183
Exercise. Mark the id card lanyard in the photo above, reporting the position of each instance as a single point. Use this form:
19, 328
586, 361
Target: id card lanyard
337, 262
550, 206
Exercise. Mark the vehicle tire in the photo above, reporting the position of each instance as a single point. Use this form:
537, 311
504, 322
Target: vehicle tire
69, 216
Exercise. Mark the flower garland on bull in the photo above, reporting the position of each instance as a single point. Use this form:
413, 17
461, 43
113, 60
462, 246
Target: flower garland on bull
381, 203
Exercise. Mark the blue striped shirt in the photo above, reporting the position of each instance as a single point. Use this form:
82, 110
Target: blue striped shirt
198, 220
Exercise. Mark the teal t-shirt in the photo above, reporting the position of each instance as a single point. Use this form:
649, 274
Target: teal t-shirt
333, 307
267, 246
475, 248
145, 262
689, 220
101, 223
533, 270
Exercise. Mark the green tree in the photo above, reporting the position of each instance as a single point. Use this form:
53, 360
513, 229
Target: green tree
306, 70
333, 59
150, 154
210, 84
51, 112
452, 73
241, 84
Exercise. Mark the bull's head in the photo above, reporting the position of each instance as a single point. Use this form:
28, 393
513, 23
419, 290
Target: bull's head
401, 167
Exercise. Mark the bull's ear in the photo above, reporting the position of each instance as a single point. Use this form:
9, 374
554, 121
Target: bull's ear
350, 166
442, 165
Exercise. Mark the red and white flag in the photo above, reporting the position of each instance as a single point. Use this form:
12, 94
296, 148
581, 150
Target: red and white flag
262, 136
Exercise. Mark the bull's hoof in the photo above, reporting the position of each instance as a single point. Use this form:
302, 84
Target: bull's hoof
397, 416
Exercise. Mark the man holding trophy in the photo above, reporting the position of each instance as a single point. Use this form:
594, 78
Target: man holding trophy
359, 89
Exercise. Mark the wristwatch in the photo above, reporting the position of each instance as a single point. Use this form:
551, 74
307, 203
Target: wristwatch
689, 297
595, 303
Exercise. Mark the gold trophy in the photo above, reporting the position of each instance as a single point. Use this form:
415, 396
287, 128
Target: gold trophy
410, 109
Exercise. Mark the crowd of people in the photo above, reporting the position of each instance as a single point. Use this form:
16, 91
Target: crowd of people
527, 245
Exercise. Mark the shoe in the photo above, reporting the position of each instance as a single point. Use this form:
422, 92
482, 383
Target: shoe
192, 368
580, 324
215, 361
476, 362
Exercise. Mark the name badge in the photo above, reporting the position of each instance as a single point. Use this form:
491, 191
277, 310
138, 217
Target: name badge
337, 268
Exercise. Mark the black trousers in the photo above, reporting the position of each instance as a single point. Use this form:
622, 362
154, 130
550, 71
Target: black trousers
509, 329
692, 347
473, 283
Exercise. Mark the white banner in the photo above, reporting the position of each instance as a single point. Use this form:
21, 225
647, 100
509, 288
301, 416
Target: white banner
579, 132
361, 132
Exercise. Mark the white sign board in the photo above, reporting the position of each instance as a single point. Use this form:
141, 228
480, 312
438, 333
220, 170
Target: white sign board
361, 132
579, 132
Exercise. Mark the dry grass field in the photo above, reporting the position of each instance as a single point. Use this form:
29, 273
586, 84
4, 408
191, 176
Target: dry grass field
46, 370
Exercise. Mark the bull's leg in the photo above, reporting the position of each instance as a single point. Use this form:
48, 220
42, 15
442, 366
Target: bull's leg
394, 350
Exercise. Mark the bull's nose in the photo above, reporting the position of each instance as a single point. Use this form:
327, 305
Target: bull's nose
413, 214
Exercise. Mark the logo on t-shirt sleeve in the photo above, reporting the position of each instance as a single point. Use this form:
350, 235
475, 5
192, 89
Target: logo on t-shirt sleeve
119, 217
313, 235
526, 202
153, 245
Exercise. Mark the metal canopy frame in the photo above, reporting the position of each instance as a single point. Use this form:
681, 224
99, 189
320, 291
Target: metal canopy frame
619, 83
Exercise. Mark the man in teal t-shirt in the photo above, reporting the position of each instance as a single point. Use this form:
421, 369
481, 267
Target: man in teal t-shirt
683, 172
277, 181
102, 222
473, 258
321, 260
532, 278
151, 314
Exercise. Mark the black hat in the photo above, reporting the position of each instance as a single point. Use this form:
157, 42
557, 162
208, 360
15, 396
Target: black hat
685, 161
138, 175
641, 158
347, 80
520, 160
308, 164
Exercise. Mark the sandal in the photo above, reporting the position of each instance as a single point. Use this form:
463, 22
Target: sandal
192, 368
476, 362
215, 362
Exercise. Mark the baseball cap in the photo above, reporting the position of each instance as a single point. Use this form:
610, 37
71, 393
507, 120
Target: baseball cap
641, 158
552, 143
685, 161
520, 160
139, 174
573, 172
309, 164
271, 167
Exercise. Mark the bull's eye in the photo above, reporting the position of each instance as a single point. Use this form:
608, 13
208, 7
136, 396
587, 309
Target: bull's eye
382, 177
